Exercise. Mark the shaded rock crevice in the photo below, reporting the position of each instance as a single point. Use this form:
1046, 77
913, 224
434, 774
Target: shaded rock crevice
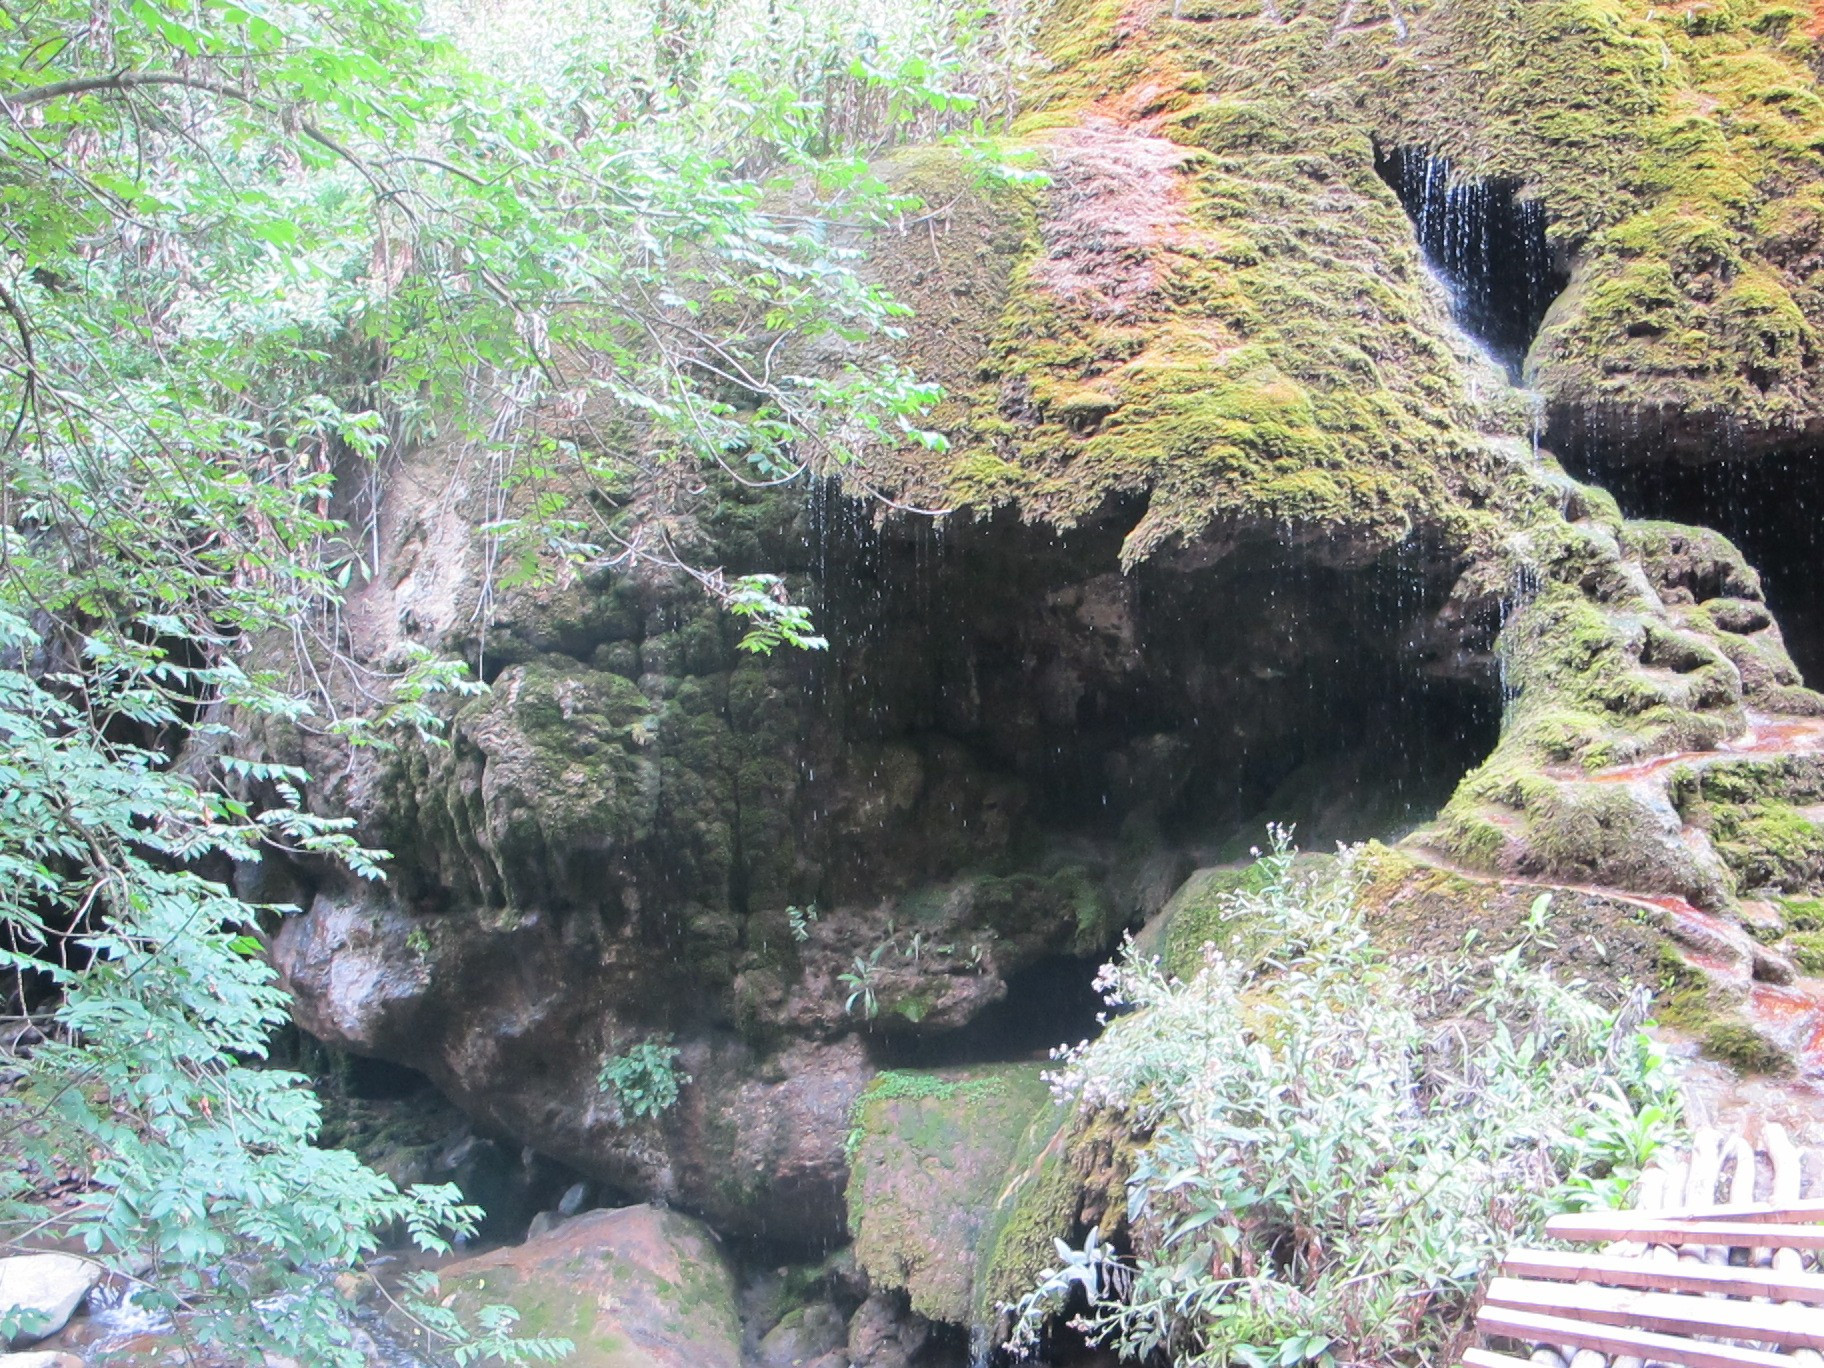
1489, 243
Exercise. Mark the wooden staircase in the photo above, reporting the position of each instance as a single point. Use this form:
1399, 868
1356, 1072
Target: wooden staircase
1716, 1266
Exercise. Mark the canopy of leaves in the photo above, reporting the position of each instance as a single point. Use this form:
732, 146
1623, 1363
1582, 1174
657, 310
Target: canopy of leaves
247, 252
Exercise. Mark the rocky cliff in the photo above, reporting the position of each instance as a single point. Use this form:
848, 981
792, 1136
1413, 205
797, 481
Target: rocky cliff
1250, 513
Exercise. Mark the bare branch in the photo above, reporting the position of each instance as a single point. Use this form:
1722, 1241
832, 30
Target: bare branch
119, 81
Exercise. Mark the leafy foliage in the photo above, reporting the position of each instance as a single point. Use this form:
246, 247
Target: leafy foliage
862, 978
799, 920
138, 1094
644, 1080
858, 76
493, 1337
249, 253
1341, 1141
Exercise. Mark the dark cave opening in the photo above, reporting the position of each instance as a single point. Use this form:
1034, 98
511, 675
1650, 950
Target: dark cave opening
396, 1119
1030, 683
1488, 243
373, 1079
1050, 1002
1771, 506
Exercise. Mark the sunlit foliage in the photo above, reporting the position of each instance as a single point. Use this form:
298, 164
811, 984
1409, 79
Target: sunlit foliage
249, 253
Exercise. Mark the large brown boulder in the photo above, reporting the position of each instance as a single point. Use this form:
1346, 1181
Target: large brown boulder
636, 1287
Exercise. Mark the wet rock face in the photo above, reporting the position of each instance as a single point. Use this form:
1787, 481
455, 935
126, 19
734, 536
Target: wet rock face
1244, 529
788, 870
941, 1162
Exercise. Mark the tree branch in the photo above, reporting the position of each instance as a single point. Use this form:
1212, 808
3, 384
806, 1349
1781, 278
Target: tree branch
124, 81
29, 390
119, 81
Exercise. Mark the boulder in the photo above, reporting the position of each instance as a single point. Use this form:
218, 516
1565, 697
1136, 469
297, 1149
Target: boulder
947, 1166
884, 1333
40, 1358
633, 1287
804, 1337
39, 1293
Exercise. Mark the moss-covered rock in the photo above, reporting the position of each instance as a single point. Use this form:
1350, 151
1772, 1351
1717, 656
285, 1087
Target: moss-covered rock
955, 1174
636, 1287
1218, 299
1617, 662
1218, 303
1201, 916
1203, 370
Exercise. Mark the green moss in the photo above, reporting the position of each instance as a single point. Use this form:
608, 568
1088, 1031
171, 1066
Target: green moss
1602, 675
1650, 326
1688, 1002
935, 1161
1744, 1049
1685, 1000
1272, 350
898, 1085
1015, 906
1017, 1244
647, 1286
1803, 914
1807, 950
1769, 843
1202, 913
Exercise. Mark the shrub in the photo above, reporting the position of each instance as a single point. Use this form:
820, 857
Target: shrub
1341, 1140
645, 1080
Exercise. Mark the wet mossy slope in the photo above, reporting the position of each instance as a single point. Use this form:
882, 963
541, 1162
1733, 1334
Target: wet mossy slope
1219, 301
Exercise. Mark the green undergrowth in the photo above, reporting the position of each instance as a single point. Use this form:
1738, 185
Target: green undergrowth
1341, 1139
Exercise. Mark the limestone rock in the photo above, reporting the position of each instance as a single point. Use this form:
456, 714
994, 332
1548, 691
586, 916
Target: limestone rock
1230, 485
943, 1162
804, 1336
40, 1292
883, 1333
1199, 914
352, 973
634, 1287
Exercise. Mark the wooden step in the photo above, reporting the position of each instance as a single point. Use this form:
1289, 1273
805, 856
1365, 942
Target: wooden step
1488, 1358
1555, 1266
1796, 1327
1603, 1226
1530, 1327
1795, 1212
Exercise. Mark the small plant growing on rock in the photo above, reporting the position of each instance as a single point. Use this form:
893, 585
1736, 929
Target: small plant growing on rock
800, 919
861, 979
644, 1080
918, 947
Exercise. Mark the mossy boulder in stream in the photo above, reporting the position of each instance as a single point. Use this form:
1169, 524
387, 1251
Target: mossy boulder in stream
637, 1287
944, 1163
